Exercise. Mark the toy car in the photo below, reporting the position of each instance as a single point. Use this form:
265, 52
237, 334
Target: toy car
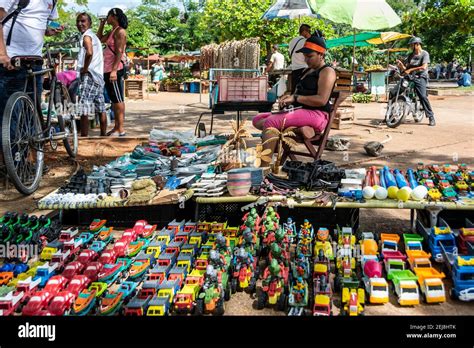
37, 303
92, 270
111, 303
97, 224
86, 256
61, 303
55, 284
105, 235
77, 284
72, 269
84, 302
86, 237
98, 246
108, 256
434, 194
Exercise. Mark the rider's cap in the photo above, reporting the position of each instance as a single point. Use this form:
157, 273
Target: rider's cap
414, 40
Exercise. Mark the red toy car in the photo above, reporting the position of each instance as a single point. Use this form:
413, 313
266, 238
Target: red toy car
139, 227
87, 256
61, 303
92, 270
56, 284
72, 269
120, 248
77, 284
37, 303
130, 235
108, 256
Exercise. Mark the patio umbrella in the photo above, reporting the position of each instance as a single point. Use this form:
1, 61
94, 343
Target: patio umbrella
288, 9
359, 14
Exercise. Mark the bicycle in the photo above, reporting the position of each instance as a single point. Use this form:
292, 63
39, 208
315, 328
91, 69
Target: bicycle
25, 131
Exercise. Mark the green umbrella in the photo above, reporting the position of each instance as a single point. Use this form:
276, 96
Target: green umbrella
359, 14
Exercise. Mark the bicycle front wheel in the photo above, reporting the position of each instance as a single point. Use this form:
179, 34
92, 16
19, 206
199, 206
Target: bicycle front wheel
67, 123
22, 151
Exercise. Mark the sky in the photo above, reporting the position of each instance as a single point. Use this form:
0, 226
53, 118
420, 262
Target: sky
101, 7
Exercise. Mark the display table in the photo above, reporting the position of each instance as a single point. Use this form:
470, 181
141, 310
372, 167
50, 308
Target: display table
434, 208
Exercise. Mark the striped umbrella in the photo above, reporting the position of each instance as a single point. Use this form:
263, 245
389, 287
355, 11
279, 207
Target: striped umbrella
288, 9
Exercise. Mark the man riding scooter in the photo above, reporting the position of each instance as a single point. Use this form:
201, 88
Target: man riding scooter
417, 64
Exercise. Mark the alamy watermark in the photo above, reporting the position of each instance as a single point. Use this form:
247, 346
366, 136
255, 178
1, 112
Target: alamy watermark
24, 252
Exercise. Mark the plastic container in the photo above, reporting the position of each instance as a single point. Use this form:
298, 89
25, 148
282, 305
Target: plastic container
233, 89
194, 87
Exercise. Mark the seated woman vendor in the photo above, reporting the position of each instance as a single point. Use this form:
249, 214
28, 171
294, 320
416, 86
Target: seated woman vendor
311, 98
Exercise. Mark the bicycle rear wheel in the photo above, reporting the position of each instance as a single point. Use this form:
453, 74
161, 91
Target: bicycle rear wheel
23, 155
67, 122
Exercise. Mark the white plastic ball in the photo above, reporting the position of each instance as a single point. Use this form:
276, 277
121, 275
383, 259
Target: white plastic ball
368, 192
419, 193
381, 193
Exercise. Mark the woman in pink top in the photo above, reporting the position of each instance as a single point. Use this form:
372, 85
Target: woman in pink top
114, 57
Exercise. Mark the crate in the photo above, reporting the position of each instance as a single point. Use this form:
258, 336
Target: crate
344, 118
347, 101
232, 89
343, 81
134, 89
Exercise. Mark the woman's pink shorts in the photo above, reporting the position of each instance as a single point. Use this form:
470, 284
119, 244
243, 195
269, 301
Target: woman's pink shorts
316, 119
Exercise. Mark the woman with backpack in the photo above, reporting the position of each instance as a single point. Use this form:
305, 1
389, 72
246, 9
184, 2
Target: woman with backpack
115, 65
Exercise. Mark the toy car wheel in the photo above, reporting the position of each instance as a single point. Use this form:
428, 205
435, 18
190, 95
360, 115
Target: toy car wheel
262, 300
233, 285
220, 309
199, 308
252, 286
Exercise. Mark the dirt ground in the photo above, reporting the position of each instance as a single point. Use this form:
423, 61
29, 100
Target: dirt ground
450, 141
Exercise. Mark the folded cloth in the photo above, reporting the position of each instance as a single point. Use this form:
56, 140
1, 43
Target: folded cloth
141, 184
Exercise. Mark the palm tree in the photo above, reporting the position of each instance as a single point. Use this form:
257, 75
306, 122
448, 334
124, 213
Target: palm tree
282, 136
237, 140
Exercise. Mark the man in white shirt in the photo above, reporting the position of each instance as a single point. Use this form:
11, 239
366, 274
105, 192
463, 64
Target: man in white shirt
91, 71
277, 62
298, 63
27, 38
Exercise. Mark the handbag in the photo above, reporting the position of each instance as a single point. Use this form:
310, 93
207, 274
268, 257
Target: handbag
126, 67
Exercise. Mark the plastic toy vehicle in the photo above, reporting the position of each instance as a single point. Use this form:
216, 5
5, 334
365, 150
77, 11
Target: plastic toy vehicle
92, 270
405, 287
149, 288
86, 237
128, 289
98, 246
353, 299
110, 273
87, 256
185, 299
61, 303
461, 269
121, 246
135, 247
28, 287
437, 237
16, 268
37, 303
137, 306
431, 285
10, 303
434, 194
73, 246
165, 236
105, 235
99, 287
5, 277
68, 235
466, 235
48, 253
55, 284
111, 303
418, 259
389, 241
160, 304
375, 285
45, 272
298, 298
77, 284
462, 186
97, 224
140, 266
413, 241
72, 269
322, 305
108, 256
159, 273
85, 302
156, 248
272, 288
393, 261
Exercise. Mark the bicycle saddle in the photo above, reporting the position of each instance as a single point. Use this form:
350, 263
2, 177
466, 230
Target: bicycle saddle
25, 61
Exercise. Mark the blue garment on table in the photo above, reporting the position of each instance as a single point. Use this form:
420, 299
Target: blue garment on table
465, 80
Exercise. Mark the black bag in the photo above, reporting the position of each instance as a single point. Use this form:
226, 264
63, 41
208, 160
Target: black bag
21, 5
126, 68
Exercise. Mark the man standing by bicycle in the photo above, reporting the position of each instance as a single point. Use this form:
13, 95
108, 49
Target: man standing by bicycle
417, 64
25, 38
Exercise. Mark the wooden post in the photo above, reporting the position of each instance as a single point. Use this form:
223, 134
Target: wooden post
353, 60
148, 75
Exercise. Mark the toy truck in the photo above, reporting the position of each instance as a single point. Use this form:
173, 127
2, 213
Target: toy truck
404, 283
413, 241
389, 241
431, 285
48, 252
375, 285
159, 273
461, 269
437, 236
137, 306
161, 302
10, 303
418, 259
393, 261
156, 248
165, 236
176, 226
465, 239
27, 287
185, 299
45, 272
